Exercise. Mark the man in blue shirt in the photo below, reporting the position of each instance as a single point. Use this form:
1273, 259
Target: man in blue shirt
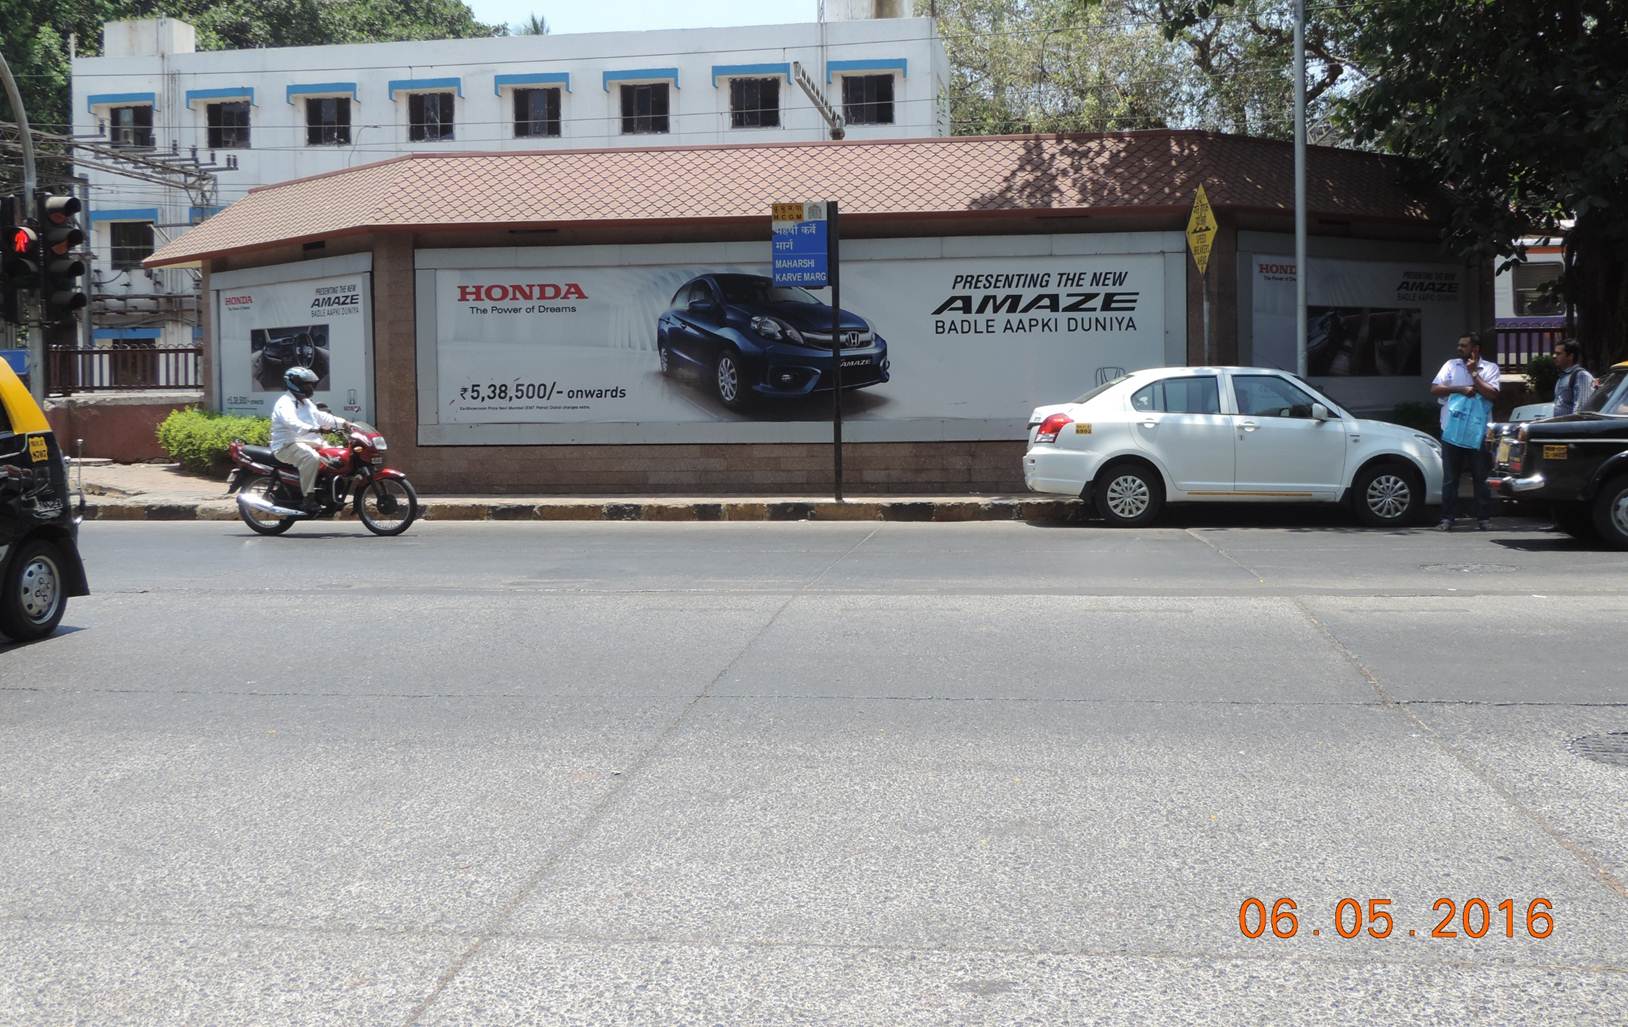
1574, 383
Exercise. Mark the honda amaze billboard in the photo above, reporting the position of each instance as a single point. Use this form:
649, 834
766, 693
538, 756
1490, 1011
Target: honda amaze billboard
712, 350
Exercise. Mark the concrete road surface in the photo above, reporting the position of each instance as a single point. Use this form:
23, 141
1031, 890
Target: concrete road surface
820, 774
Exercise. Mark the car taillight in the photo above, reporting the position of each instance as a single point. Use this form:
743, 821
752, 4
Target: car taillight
1047, 432
1517, 456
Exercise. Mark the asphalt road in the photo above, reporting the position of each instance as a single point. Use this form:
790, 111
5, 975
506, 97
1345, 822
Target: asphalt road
812, 773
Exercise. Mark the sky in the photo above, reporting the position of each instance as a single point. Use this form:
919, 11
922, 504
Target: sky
624, 15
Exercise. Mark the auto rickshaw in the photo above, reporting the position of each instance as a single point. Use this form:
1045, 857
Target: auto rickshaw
40, 565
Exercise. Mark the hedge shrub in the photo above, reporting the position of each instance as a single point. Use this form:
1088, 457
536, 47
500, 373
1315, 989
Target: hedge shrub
198, 439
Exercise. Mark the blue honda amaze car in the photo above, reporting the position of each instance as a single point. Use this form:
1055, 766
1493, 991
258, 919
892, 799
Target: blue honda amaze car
748, 338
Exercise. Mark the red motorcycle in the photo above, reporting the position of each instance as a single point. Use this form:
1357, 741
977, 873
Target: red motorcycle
268, 490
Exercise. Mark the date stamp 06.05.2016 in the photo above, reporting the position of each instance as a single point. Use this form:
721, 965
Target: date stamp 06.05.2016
1353, 918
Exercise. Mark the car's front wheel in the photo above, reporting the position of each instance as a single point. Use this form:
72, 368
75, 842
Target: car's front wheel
1129, 495
728, 380
1611, 512
1387, 495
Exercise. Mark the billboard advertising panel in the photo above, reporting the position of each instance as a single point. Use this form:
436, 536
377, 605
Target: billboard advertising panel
1364, 318
262, 330
679, 347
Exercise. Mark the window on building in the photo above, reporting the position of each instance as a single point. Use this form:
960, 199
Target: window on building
867, 99
429, 117
132, 244
536, 113
644, 108
130, 126
229, 126
1537, 290
327, 121
754, 103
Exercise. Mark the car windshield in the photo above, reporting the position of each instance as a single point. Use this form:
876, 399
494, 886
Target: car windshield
1610, 396
757, 291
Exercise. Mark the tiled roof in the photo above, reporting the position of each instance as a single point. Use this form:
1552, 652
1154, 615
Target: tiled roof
1145, 171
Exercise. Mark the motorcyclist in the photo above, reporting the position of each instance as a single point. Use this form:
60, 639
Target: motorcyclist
296, 427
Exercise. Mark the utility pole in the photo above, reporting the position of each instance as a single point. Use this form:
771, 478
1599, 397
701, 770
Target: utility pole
36, 339
1300, 268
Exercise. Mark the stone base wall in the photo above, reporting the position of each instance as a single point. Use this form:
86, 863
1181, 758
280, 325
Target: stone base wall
895, 468
117, 427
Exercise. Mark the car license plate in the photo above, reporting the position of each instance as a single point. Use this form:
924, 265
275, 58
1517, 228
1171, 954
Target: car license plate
1503, 452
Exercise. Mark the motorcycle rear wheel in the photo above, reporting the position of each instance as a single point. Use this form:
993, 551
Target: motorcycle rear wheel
263, 486
387, 506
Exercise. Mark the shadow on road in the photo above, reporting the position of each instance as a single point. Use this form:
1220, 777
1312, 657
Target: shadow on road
1317, 517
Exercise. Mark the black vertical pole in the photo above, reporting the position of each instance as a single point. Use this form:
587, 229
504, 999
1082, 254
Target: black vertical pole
836, 343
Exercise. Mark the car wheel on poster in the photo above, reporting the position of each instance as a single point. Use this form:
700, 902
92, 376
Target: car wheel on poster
726, 378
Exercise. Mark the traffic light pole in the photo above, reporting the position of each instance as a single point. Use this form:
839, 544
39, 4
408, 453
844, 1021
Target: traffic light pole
36, 337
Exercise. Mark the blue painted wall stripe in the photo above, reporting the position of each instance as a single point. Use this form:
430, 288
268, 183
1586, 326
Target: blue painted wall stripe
119, 99
756, 70
223, 93
641, 74
128, 214
423, 85
321, 89
898, 64
541, 78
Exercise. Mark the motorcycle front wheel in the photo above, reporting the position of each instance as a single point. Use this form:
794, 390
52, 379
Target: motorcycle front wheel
263, 486
387, 506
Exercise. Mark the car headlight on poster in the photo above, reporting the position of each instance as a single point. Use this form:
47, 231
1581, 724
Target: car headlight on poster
776, 330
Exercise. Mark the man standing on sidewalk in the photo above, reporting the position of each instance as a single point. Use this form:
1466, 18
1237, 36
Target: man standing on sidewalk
1469, 376
1574, 383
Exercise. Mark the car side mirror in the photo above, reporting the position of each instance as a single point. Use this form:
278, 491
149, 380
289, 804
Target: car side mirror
703, 306
1319, 412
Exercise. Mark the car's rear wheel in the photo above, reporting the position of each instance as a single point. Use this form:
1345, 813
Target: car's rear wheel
1129, 495
1387, 495
728, 380
1611, 512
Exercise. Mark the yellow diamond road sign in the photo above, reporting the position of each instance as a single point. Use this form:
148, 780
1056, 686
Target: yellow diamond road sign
1201, 230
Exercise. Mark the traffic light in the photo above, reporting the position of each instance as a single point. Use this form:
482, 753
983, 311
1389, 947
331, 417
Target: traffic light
60, 270
19, 268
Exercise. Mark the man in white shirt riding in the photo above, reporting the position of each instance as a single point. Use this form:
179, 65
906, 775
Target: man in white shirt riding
296, 431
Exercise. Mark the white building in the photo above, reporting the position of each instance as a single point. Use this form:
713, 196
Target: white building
294, 112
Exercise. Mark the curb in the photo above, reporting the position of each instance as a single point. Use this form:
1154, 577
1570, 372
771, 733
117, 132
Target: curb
939, 511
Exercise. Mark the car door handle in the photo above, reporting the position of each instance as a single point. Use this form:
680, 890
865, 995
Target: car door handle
1151, 422
1248, 425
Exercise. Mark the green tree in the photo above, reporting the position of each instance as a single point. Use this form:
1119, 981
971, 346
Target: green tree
1518, 112
1044, 66
534, 25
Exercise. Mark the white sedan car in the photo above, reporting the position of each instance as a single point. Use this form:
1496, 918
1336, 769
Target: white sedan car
1226, 434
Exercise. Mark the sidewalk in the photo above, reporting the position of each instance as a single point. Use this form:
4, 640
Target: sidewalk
163, 492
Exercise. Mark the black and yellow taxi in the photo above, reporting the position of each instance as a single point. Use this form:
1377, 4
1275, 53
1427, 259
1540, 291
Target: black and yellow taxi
39, 526
1578, 464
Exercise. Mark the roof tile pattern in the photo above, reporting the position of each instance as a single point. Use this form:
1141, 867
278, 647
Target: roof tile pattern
925, 176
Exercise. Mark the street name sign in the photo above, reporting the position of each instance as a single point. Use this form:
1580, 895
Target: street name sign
800, 244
